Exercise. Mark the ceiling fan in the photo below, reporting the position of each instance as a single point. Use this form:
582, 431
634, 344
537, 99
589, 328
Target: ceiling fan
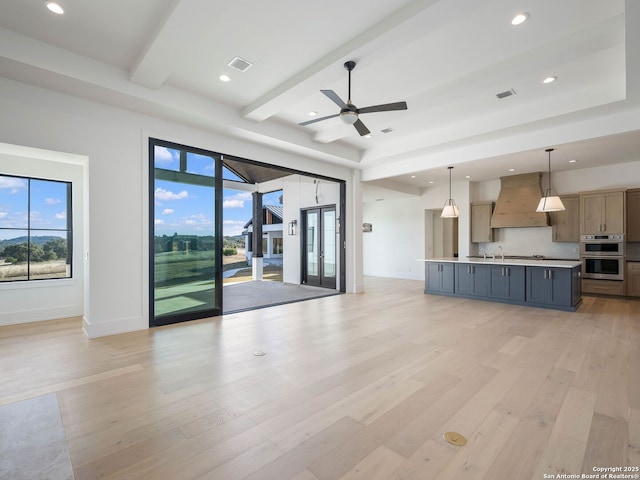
349, 112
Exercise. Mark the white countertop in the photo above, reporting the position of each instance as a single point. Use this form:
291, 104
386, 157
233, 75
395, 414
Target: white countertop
509, 261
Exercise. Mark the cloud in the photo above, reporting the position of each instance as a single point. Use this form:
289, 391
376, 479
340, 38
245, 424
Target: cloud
60, 216
53, 201
162, 155
12, 183
233, 204
233, 227
158, 222
237, 200
167, 211
3, 214
162, 194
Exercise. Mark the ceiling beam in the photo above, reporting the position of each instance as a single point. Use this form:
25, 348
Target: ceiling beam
185, 22
293, 89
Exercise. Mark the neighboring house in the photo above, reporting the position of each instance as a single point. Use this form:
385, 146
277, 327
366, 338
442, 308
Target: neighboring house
271, 233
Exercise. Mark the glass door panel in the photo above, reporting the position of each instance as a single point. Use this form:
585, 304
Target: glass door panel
184, 263
328, 253
312, 241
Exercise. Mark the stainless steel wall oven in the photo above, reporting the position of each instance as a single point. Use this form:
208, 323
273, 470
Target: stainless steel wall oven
602, 256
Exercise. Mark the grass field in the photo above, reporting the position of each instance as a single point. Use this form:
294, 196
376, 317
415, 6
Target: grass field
39, 271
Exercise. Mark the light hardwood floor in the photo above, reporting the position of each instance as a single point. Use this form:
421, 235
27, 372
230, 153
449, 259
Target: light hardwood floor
351, 387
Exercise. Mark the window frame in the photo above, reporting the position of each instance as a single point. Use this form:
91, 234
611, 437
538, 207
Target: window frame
69, 273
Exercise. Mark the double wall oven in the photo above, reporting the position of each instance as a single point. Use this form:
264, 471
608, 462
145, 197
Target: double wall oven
602, 256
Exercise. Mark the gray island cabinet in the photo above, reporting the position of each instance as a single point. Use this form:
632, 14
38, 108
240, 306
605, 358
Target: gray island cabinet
439, 277
540, 283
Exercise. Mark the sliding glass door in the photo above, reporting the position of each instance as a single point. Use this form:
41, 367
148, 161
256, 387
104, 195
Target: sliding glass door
186, 234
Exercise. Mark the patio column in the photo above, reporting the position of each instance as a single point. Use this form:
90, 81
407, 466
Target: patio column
256, 258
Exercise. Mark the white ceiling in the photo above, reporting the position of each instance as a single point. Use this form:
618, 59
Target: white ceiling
447, 59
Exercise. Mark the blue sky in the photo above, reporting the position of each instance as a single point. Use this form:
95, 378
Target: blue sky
187, 209
48, 207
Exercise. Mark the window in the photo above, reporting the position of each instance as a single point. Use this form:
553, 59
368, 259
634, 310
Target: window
35, 229
277, 246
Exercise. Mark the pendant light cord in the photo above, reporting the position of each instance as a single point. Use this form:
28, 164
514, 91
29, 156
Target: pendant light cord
549, 150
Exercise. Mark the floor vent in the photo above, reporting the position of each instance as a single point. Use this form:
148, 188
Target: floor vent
387, 130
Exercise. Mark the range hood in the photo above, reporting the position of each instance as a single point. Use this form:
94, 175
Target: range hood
517, 202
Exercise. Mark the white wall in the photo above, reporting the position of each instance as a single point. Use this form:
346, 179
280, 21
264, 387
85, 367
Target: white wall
48, 299
115, 141
396, 242
401, 227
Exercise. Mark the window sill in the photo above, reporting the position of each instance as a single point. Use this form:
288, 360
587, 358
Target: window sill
57, 282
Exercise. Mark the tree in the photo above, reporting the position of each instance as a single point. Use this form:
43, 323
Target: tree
21, 253
57, 246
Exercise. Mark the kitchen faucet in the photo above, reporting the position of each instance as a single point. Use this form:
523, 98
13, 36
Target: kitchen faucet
501, 253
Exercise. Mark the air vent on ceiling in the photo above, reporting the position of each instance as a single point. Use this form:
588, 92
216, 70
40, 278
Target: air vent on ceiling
508, 93
387, 130
240, 64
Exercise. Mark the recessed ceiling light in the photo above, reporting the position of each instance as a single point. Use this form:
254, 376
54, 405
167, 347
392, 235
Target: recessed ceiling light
512, 169
520, 18
225, 78
549, 79
312, 113
368, 135
55, 7
432, 181
467, 176
573, 161
413, 176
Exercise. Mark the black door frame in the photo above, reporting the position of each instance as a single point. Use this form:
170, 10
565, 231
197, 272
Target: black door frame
304, 274
217, 185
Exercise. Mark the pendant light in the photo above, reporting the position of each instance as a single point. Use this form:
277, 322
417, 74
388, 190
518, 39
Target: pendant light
450, 209
548, 202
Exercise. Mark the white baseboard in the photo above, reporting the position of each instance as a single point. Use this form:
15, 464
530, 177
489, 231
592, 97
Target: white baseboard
40, 315
113, 327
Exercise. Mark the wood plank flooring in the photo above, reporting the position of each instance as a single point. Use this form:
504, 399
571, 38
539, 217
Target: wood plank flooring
351, 387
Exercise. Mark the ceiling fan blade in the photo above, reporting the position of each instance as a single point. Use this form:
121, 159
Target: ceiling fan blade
362, 130
309, 122
387, 107
333, 96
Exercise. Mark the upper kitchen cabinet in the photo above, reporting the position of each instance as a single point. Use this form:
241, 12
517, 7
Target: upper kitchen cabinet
633, 215
565, 225
481, 231
602, 212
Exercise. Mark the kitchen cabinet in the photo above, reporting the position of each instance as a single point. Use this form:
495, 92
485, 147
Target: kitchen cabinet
602, 212
603, 287
633, 279
507, 282
633, 215
471, 279
565, 225
553, 286
439, 277
481, 231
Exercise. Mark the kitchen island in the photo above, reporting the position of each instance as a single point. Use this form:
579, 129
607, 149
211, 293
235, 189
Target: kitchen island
538, 282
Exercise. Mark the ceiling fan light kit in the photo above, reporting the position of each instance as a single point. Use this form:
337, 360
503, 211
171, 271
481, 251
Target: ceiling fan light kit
349, 113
